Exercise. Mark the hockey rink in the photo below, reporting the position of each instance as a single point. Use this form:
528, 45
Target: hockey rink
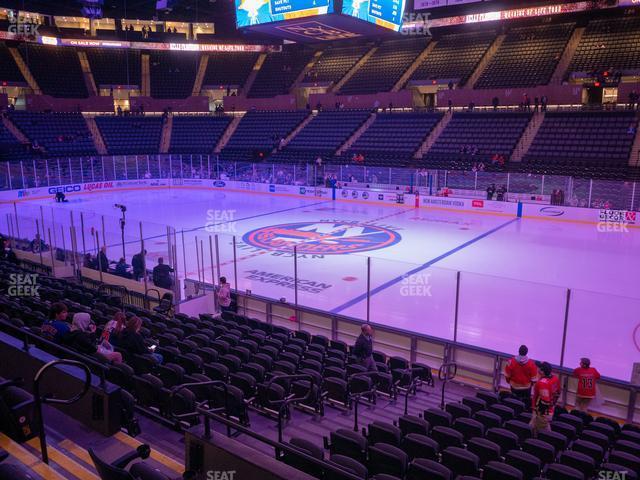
511, 277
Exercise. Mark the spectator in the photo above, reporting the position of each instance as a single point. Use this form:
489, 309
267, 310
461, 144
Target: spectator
114, 328
132, 342
82, 338
545, 396
137, 262
363, 348
319, 161
543, 103
587, 384
121, 268
56, 327
162, 275
501, 194
224, 295
536, 104
103, 261
496, 103
37, 244
491, 190
520, 373
88, 262
7, 253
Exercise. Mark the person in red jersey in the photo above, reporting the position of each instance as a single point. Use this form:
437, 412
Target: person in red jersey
587, 377
521, 372
545, 396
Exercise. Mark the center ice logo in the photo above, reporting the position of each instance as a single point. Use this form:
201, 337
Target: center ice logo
326, 238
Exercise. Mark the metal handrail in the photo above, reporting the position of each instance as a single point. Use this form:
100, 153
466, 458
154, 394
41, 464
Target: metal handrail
283, 404
357, 396
207, 427
40, 400
444, 375
276, 444
146, 294
28, 335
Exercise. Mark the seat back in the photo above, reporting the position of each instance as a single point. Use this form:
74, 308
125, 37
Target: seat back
107, 471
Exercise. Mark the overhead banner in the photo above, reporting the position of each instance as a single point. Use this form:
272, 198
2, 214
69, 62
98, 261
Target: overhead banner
97, 43
511, 14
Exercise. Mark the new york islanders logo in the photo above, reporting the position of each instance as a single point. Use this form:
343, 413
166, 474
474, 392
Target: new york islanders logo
322, 238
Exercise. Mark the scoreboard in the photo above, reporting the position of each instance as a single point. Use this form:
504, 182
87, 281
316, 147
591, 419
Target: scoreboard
257, 12
384, 13
321, 20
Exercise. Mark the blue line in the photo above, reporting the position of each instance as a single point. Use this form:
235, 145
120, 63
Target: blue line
395, 280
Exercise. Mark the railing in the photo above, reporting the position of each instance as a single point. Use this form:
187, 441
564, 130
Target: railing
446, 375
284, 403
582, 192
278, 446
42, 400
475, 366
211, 383
356, 396
26, 336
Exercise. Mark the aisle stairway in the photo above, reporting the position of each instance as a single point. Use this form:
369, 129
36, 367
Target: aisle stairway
89, 81
475, 76
68, 443
24, 69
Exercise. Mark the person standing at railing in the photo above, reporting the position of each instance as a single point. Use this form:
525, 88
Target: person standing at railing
545, 396
223, 294
521, 372
162, 275
137, 262
103, 261
587, 384
363, 348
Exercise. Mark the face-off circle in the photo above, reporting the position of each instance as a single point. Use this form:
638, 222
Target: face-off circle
322, 238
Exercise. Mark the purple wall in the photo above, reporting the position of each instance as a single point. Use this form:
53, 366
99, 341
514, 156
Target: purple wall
39, 103
556, 95
625, 89
328, 100
189, 104
243, 104
402, 98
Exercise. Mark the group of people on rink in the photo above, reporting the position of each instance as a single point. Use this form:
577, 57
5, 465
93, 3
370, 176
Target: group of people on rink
534, 383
